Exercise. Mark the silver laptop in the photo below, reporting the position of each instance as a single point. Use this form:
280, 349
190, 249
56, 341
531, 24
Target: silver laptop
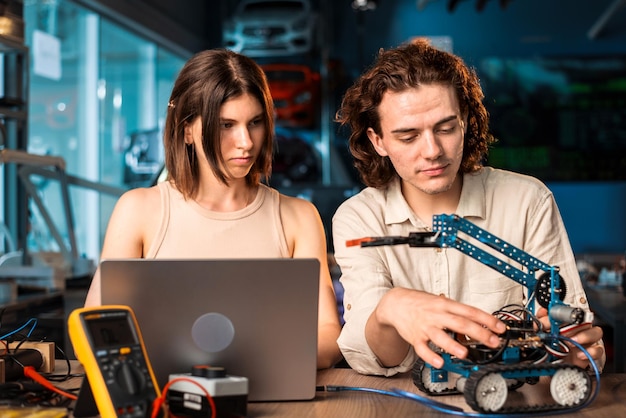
255, 317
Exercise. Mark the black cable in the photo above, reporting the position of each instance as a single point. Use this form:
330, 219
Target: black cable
68, 374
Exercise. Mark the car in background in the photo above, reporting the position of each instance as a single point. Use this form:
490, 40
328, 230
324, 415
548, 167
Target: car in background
296, 91
269, 28
296, 160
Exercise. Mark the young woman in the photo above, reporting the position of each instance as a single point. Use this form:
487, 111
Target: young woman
218, 143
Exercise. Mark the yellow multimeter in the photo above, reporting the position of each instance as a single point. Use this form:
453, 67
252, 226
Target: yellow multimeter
108, 343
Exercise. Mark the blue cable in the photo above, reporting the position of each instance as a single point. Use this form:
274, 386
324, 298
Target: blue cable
32, 328
454, 410
393, 392
449, 409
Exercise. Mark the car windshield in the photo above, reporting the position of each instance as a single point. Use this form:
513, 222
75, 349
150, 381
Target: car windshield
287, 6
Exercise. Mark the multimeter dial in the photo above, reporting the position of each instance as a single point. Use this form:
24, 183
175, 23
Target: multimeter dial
126, 368
130, 379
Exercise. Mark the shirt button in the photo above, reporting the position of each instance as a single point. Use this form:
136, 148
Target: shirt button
348, 306
583, 300
438, 249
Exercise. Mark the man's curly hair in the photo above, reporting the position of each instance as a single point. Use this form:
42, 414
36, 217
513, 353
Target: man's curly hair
408, 66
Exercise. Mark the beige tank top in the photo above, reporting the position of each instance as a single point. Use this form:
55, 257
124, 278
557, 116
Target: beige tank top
188, 230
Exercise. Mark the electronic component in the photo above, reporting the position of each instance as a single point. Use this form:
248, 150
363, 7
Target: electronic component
14, 362
108, 343
46, 348
527, 351
229, 393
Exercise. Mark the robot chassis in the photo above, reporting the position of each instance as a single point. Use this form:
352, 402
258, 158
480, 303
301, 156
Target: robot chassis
526, 351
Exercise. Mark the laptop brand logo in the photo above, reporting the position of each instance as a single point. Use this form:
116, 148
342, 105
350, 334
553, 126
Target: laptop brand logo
212, 332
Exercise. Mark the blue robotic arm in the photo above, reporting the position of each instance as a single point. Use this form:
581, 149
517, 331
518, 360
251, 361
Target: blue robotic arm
548, 289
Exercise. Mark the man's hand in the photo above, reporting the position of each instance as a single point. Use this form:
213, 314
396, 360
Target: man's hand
587, 335
405, 316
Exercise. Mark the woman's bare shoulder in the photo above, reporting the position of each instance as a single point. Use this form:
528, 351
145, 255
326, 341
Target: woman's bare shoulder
297, 207
135, 207
141, 197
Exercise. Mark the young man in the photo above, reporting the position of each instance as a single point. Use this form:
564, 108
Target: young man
419, 135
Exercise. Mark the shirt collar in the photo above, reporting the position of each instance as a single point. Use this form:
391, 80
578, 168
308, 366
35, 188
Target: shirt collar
397, 210
471, 204
473, 196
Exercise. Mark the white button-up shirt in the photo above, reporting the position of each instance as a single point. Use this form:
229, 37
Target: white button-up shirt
516, 208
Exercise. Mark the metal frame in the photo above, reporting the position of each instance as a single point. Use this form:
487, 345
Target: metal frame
52, 167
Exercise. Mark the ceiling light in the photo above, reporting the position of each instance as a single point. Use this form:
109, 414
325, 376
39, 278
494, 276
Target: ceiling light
363, 5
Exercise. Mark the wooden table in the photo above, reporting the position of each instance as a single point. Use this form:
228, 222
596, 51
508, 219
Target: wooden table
610, 403
610, 306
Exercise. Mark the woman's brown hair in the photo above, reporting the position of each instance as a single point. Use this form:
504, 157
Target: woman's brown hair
204, 84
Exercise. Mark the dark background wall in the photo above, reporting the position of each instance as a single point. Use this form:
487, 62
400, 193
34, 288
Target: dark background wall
186, 26
523, 28
592, 197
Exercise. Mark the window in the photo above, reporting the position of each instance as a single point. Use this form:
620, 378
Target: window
113, 88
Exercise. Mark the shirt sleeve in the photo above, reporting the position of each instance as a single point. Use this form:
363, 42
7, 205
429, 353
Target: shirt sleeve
517, 208
547, 240
365, 278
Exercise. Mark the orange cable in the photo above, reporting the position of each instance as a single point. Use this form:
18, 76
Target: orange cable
158, 402
30, 372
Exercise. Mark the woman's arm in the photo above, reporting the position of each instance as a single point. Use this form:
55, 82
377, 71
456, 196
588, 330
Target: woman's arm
126, 232
306, 239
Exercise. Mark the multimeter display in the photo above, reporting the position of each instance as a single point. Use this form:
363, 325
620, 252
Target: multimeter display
111, 330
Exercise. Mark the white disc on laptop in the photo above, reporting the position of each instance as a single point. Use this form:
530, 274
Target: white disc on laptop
212, 332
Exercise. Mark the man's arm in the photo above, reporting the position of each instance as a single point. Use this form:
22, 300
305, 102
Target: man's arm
383, 320
406, 317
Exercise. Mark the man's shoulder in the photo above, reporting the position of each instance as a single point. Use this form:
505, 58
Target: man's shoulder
368, 197
497, 177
